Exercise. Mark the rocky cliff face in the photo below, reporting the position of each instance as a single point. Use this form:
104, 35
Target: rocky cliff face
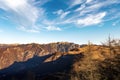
20, 53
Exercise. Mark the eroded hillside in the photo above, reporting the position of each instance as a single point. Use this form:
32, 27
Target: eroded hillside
19, 53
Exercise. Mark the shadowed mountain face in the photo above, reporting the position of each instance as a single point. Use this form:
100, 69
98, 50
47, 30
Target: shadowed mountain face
19, 53
12, 54
38, 67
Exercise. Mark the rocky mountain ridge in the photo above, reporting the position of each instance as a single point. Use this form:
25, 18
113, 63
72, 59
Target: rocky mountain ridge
22, 52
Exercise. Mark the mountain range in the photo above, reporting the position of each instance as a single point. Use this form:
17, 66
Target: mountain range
40, 59
60, 61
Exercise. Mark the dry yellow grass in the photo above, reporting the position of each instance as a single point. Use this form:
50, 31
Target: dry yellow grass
99, 62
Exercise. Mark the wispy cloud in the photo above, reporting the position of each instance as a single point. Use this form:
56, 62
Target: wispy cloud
59, 12
88, 1
28, 14
50, 25
22, 12
91, 19
80, 8
39, 2
62, 13
95, 6
53, 28
92, 12
75, 2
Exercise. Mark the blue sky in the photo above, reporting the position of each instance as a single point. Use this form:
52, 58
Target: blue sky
45, 21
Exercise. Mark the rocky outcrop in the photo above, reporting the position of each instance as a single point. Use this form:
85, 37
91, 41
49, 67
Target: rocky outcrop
22, 52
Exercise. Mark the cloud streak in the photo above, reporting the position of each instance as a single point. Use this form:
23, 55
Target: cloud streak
32, 16
21, 12
91, 19
53, 28
75, 2
50, 25
92, 12
88, 1
61, 13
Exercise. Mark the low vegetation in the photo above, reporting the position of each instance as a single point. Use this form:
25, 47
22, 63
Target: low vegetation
99, 62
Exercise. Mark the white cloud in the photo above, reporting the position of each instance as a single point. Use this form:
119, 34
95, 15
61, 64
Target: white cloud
53, 28
91, 9
21, 12
40, 2
26, 13
61, 13
91, 19
88, 13
94, 6
50, 25
75, 2
88, 1
80, 8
